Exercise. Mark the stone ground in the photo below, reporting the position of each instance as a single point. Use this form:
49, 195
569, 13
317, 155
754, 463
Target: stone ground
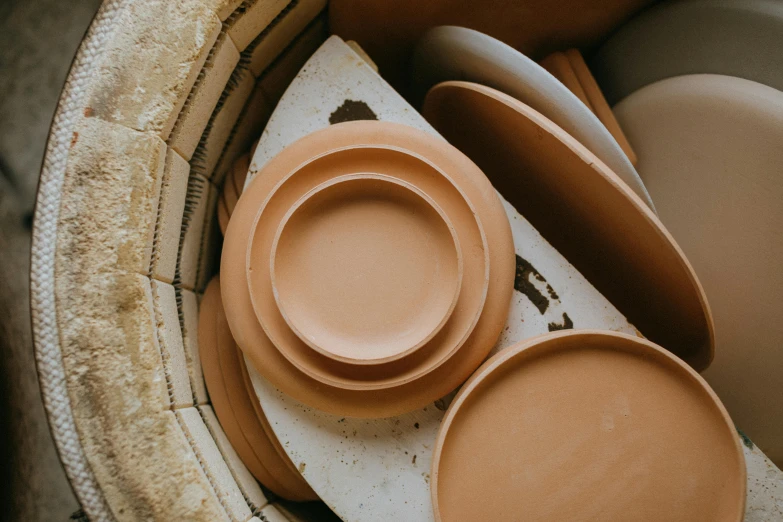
38, 39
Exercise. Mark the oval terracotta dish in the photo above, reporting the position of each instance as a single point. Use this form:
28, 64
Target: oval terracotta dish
366, 268
587, 425
365, 142
584, 210
741, 38
456, 53
220, 359
400, 164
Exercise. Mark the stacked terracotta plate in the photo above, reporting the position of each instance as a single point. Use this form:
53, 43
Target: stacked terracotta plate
237, 406
367, 270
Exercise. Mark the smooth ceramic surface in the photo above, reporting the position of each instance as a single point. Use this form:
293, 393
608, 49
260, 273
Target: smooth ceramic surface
331, 163
222, 369
587, 425
455, 53
252, 338
742, 38
366, 268
582, 208
709, 149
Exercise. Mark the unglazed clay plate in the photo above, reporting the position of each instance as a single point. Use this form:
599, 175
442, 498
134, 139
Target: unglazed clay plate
584, 210
455, 53
587, 425
742, 38
232, 403
352, 136
281, 465
402, 165
710, 149
366, 268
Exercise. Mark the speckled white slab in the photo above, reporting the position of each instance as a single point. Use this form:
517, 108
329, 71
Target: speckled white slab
378, 469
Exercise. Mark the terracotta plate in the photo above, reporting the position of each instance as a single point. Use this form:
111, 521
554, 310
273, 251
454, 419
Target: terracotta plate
282, 466
587, 425
402, 165
584, 210
252, 338
222, 367
366, 268
456, 53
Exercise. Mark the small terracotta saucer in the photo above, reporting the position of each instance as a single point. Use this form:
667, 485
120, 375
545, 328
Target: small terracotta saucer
220, 359
403, 165
584, 210
587, 425
359, 138
366, 268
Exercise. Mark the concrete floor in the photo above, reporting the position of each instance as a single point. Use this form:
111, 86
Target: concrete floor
38, 39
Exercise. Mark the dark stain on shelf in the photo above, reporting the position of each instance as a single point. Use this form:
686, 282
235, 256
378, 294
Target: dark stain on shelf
352, 110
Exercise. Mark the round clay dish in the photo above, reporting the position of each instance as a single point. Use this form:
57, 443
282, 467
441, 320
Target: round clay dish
366, 268
272, 365
587, 425
232, 404
456, 53
403, 165
584, 210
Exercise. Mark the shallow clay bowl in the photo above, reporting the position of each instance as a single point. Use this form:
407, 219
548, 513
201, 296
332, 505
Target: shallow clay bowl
403, 165
366, 268
587, 425
584, 210
371, 139
222, 367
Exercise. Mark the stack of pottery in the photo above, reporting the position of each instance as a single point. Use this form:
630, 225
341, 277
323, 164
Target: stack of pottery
367, 270
450, 286
237, 407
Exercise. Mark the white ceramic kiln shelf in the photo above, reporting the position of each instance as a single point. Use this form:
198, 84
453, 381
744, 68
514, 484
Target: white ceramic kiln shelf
378, 469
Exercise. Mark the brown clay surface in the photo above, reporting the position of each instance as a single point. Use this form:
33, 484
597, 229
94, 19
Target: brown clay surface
584, 210
366, 268
402, 165
232, 403
383, 402
587, 425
